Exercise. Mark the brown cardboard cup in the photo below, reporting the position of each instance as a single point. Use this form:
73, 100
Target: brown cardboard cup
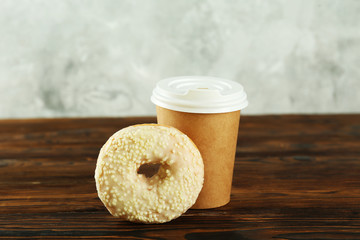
208, 111
215, 135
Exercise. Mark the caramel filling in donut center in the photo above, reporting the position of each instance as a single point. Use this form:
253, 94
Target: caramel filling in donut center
149, 169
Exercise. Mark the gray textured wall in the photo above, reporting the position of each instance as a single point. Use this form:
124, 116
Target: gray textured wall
103, 58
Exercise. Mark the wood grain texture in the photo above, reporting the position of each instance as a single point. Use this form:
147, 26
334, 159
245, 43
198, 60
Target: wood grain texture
296, 177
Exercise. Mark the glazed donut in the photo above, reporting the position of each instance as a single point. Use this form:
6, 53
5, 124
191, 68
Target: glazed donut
138, 195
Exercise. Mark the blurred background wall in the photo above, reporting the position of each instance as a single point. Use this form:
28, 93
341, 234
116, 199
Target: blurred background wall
65, 58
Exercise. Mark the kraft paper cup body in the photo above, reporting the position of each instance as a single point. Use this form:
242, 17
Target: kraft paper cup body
215, 135
206, 109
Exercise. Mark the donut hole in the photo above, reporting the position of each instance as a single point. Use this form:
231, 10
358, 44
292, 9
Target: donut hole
149, 169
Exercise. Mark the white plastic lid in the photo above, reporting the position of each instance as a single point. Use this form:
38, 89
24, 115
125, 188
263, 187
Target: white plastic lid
199, 94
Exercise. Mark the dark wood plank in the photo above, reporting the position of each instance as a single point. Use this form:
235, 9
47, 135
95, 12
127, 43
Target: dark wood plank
295, 177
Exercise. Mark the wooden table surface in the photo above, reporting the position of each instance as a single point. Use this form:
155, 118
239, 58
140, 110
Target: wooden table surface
296, 177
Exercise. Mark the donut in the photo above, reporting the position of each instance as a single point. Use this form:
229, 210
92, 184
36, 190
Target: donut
149, 173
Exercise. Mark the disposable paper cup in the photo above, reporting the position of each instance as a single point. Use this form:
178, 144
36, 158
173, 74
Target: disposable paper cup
207, 109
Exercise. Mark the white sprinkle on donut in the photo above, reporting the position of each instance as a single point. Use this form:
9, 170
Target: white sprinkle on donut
149, 173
